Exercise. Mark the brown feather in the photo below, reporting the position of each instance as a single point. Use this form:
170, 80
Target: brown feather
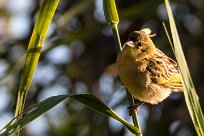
164, 71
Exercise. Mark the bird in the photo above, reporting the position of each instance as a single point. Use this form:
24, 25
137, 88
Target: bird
148, 74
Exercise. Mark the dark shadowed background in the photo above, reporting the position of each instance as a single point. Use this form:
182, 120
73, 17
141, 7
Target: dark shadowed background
79, 57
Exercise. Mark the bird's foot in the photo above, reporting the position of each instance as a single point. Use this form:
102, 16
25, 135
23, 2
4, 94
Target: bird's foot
134, 108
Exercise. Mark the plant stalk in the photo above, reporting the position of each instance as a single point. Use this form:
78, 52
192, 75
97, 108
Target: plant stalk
129, 96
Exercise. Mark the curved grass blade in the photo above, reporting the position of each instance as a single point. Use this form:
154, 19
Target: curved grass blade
45, 16
31, 114
97, 105
191, 97
37, 110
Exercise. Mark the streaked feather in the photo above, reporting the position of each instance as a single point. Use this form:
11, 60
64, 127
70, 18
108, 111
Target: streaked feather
164, 71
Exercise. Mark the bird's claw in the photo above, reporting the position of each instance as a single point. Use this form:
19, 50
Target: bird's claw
134, 108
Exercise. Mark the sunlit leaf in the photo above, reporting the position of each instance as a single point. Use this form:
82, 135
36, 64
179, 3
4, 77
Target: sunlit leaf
191, 97
36, 43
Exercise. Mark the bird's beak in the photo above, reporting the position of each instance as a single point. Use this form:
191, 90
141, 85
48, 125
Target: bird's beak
130, 44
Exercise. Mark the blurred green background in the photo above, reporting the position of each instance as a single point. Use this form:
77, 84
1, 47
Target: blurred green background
79, 56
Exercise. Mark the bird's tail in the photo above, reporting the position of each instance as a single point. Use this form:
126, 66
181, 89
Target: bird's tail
175, 83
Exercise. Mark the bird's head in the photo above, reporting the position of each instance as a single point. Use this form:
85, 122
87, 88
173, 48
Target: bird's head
139, 45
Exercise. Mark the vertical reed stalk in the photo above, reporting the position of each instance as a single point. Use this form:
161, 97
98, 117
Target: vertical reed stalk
112, 18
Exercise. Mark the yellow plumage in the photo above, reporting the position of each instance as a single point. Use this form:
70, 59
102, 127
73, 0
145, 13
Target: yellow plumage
148, 74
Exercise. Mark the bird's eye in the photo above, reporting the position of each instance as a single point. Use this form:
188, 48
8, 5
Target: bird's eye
134, 36
139, 44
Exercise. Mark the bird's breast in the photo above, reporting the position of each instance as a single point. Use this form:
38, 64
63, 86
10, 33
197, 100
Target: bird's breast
132, 74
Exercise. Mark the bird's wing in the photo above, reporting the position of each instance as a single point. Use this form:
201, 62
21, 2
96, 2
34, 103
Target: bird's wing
164, 71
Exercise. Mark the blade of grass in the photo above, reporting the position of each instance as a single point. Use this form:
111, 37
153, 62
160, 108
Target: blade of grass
96, 104
46, 13
42, 107
31, 114
168, 36
191, 97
